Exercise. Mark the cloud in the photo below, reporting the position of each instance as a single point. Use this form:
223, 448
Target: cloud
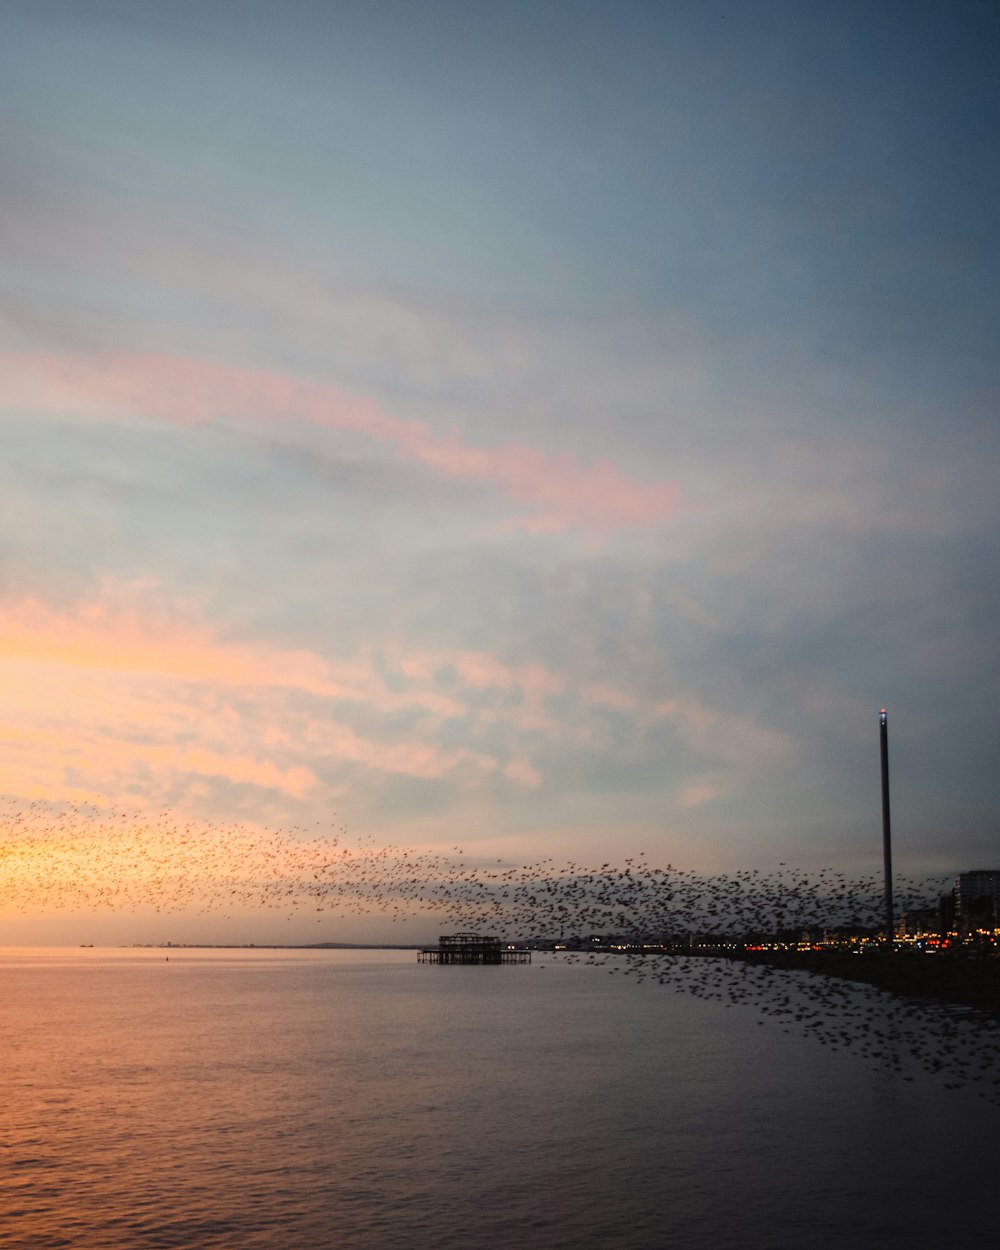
107, 694
119, 695
697, 793
556, 491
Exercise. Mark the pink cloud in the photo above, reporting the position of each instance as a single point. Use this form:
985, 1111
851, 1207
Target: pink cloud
557, 491
120, 696
524, 773
118, 693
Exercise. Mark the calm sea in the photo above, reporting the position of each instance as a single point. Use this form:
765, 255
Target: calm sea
303, 1100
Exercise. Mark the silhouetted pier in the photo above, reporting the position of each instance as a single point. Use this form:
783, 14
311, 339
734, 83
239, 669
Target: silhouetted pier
471, 948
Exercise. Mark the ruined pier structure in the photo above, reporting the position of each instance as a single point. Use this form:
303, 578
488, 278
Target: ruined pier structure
472, 948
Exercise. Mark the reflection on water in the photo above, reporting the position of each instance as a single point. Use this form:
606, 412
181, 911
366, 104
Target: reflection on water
357, 1099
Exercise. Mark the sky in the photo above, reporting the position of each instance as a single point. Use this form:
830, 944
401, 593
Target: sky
549, 429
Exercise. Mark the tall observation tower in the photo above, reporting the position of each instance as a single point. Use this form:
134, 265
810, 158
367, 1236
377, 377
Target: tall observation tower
883, 734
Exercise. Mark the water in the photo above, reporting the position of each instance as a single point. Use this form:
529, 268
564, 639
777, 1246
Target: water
302, 1100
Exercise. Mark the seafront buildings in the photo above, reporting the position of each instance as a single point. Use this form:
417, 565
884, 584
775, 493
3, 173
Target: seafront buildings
966, 918
977, 899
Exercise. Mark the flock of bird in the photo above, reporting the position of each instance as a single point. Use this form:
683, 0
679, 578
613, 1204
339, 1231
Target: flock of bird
903, 1035
72, 857
79, 858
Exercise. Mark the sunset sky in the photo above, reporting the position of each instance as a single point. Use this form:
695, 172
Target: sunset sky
550, 428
